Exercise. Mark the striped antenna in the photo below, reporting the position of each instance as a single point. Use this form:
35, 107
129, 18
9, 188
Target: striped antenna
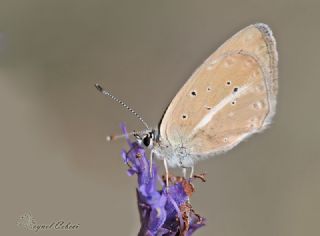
108, 94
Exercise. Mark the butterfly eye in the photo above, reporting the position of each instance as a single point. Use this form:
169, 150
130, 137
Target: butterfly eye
148, 140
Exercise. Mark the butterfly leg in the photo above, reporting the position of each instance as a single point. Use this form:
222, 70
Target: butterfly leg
191, 172
184, 172
167, 173
150, 163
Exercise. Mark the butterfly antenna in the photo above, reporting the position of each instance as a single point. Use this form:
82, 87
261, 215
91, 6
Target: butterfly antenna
108, 94
118, 136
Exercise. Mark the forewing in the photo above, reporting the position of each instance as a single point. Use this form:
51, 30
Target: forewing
230, 96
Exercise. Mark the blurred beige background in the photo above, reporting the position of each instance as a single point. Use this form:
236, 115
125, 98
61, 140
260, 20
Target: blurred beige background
55, 163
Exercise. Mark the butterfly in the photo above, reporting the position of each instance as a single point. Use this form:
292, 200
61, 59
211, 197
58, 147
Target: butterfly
231, 96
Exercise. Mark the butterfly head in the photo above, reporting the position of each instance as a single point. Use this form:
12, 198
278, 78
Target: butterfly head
146, 139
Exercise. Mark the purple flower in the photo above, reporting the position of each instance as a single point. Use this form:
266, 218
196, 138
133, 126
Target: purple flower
163, 212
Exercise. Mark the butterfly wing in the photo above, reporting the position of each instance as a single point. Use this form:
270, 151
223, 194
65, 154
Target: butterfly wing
229, 97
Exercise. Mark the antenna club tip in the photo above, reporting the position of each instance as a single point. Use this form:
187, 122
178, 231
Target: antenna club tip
98, 87
109, 138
